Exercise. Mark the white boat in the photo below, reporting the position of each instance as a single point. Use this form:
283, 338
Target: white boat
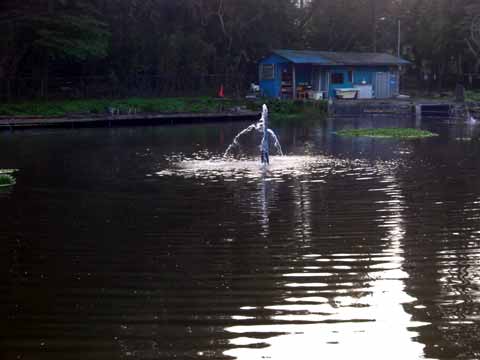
365, 91
346, 93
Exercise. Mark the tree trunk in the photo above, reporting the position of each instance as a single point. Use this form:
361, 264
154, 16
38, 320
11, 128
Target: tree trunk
46, 60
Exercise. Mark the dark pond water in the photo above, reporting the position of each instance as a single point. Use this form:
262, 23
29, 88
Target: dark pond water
142, 243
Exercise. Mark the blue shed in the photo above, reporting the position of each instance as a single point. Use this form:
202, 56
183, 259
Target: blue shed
292, 74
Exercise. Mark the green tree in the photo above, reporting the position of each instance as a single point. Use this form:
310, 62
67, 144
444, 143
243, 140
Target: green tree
52, 29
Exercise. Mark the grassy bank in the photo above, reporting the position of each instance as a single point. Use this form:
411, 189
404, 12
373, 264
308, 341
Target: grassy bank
280, 110
291, 110
394, 133
124, 106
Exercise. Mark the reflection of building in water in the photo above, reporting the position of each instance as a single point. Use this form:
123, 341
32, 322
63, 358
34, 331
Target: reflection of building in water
268, 187
331, 307
302, 211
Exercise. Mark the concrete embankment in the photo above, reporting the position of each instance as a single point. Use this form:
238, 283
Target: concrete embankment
14, 123
370, 107
418, 107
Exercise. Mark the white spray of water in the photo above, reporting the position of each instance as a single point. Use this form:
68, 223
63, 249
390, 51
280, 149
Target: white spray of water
261, 126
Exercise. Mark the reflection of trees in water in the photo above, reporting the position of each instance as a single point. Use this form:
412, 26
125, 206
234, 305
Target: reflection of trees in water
441, 247
303, 211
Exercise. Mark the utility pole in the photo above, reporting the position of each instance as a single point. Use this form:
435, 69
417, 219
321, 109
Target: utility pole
399, 38
374, 24
399, 34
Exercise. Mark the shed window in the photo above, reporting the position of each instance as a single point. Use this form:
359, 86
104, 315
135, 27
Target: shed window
337, 78
267, 72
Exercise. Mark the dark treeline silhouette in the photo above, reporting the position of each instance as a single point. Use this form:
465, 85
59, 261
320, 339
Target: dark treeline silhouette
168, 47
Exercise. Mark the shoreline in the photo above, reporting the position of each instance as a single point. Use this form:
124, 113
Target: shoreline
142, 119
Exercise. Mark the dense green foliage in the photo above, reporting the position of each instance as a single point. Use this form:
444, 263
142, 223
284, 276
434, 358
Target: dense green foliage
396, 133
278, 109
35, 34
288, 106
473, 96
288, 110
177, 40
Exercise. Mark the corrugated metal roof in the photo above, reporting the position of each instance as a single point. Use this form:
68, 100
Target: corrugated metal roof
339, 58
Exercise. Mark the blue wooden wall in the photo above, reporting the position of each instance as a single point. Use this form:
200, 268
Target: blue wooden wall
360, 74
303, 72
346, 83
271, 88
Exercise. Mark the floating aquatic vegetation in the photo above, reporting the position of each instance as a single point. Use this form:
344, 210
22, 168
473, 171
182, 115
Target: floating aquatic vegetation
8, 171
6, 180
394, 133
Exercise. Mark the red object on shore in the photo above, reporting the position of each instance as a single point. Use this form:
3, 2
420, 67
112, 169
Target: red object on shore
221, 92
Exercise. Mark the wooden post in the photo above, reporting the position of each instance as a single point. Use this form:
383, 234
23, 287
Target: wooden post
319, 80
459, 93
327, 84
418, 115
294, 83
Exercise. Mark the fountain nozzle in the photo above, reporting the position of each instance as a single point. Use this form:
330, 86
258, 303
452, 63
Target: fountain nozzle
265, 148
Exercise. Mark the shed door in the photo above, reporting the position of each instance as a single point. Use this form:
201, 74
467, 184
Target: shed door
316, 79
382, 85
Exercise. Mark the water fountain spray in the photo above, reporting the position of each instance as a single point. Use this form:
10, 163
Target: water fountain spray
267, 133
264, 146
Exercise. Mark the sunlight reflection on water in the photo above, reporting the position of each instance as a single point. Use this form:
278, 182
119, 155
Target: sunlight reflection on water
327, 310
370, 322
333, 253
312, 168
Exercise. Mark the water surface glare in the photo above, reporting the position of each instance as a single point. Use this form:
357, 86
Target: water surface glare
146, 243
250, 168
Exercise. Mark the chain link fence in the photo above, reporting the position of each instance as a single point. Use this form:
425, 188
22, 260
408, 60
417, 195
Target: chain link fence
27, 88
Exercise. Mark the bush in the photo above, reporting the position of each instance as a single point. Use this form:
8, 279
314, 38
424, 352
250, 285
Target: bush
154, 105
285, 107
123, 106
